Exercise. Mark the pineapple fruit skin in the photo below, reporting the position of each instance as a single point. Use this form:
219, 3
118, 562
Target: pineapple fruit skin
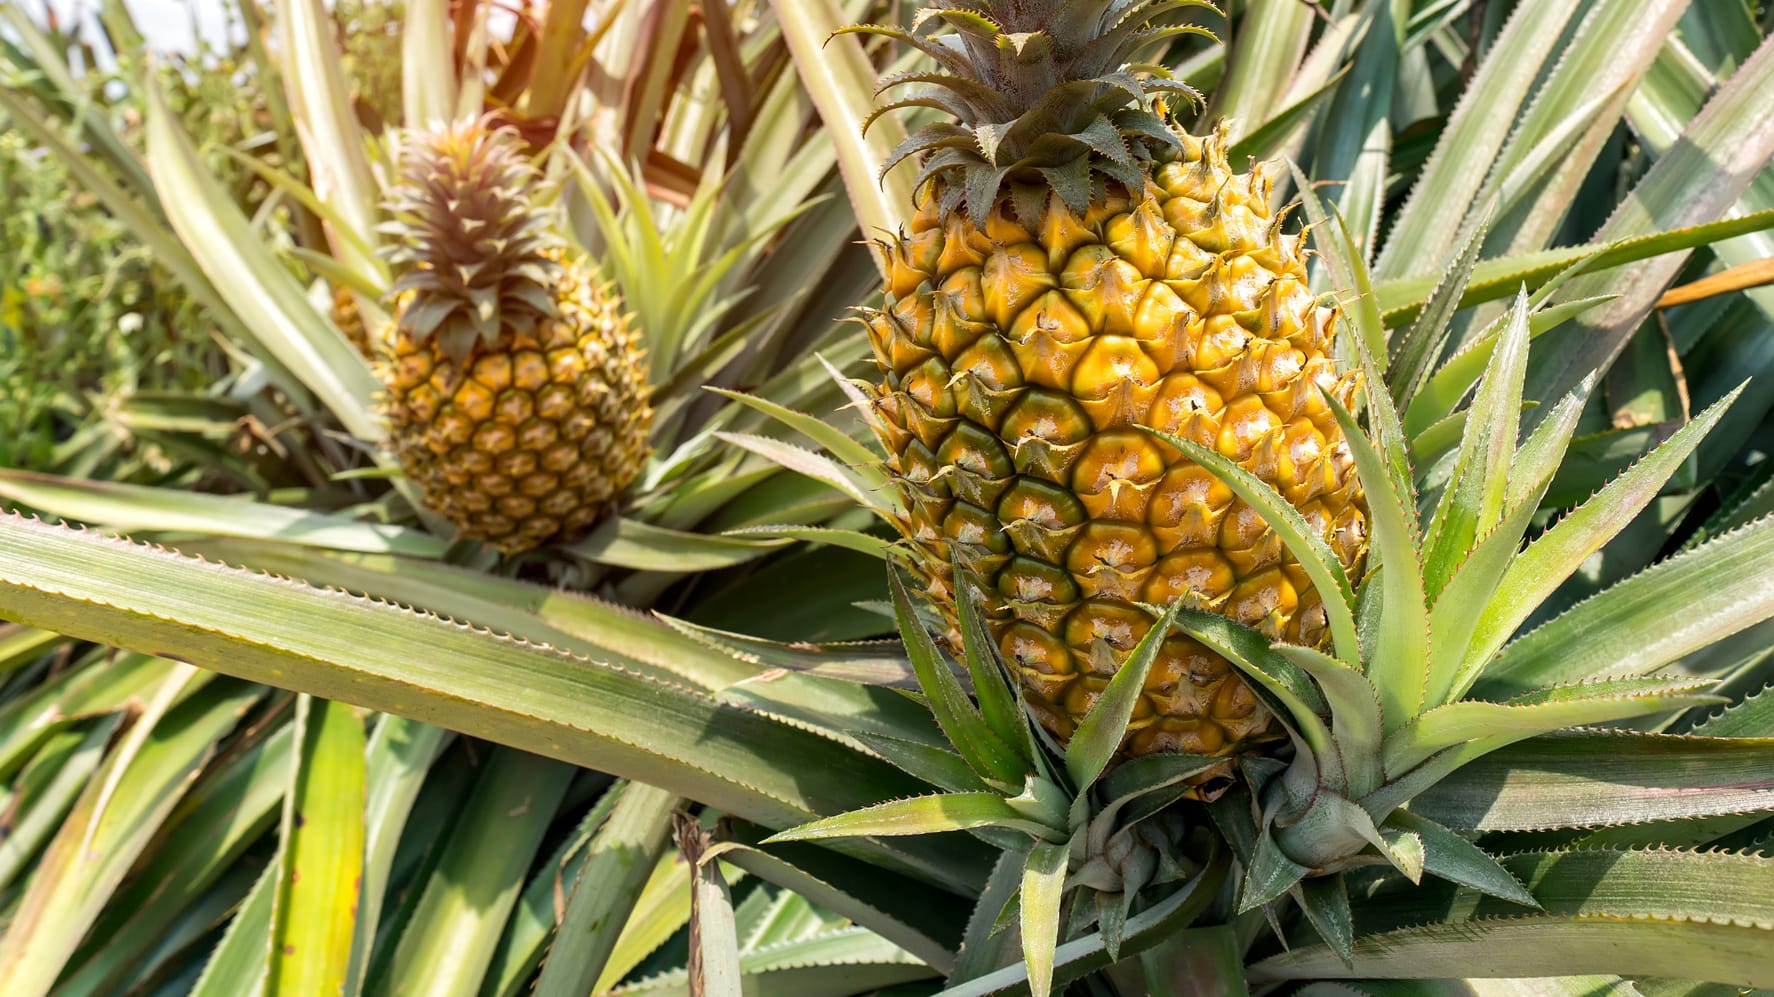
348, 319
1018, 362
531, 439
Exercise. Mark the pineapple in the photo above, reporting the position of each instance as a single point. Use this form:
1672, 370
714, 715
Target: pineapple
348, 319
1078, 269
516, 389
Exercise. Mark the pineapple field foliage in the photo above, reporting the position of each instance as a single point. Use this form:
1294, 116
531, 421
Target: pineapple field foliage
98, 342
668, 757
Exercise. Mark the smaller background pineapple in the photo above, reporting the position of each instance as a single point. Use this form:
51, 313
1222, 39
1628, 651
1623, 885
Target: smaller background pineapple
516, 389
348, 319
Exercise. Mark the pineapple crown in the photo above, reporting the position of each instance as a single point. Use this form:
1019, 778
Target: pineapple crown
1044, 95
474, 248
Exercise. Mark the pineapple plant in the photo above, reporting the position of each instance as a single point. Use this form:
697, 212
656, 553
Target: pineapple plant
516, 389
1078, 269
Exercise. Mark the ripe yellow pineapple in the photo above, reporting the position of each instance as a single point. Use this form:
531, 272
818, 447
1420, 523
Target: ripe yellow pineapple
349, 319
1078, 269
516, 390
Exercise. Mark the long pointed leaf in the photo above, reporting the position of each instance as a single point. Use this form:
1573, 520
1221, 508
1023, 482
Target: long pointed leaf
1579, 779
252, 281
623, 855
1044, 880
322, 861
1314, 555
1475, 720
1551, 558
619, 719
960, 718
1100, 733
1637, 626
918, 815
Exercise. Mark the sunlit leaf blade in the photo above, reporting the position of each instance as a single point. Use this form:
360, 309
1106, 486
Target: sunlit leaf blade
1398, 663
960, 718
327, 125
398, 758
1551, 558
253, 282
130, 508
1597, 778
1636, 626
1416, 350
834, 961
902, 913
991, 686
1540, 712
448, 943
623, 854
1079, 956
629, 543
662, 910
841, 82
1044, 878
1496, 278
1302, 541
1652, 913
815, 466
1475, 134
1355, 714
237, 966
38, 803
1473, 501
1347, 269
862, 543
537, 613
1354, 137
383, 657
27, 720
531, 928
1457, 612
1609, 52
1100, 733
918, 815
1698, 180
1752, 716
1458, 860
427, 80
114, 820
322, 860
1442, 391
714, 968
19, 646
1263, 55
858, 458
1538, 458
1271, 136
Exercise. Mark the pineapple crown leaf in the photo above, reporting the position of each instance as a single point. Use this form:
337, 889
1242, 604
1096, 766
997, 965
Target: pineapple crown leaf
1040, 92
473, 241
